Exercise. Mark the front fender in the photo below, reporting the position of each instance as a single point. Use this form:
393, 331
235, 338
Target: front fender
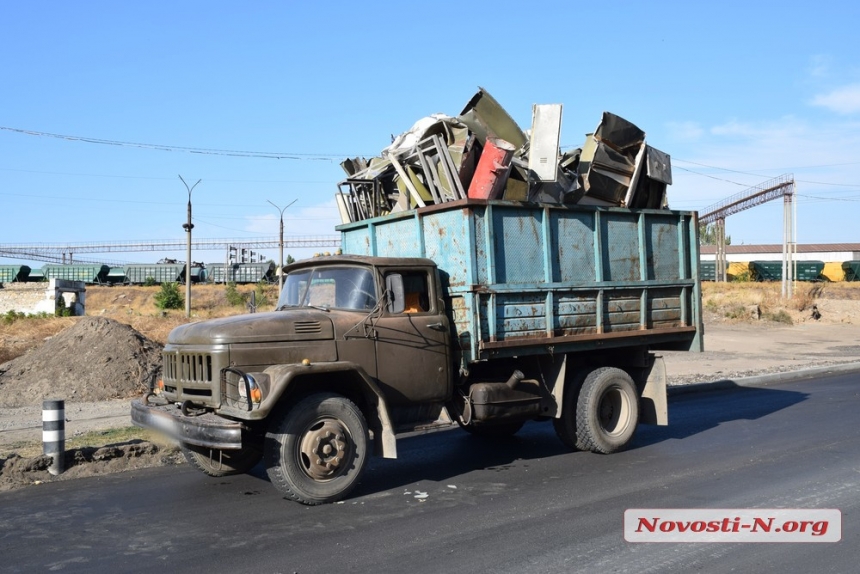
284, 377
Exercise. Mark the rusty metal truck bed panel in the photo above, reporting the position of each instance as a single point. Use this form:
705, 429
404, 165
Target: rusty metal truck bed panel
525, 277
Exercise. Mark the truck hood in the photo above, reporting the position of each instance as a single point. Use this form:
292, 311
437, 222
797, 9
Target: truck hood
272, 327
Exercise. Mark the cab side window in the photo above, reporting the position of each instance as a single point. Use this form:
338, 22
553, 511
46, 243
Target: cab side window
416, 291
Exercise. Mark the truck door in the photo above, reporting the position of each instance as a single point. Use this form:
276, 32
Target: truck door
412, 347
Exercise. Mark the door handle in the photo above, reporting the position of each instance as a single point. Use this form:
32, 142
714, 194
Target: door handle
437, 327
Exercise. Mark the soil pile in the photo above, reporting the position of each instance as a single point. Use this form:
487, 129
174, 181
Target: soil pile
96, 359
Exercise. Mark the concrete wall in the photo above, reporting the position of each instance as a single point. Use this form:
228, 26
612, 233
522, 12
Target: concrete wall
21, 297
32, 298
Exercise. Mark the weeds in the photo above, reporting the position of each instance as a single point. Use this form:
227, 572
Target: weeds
802, 301
169, 297
780, 316
234, 298
262, 294
11, 316
742, 277
737, 312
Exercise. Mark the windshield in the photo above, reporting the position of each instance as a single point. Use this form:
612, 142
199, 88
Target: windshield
336, 287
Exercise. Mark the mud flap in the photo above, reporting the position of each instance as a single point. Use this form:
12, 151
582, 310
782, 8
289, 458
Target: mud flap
653, 404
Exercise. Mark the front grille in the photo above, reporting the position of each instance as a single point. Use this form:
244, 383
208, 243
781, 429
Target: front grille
192, 376
188, 368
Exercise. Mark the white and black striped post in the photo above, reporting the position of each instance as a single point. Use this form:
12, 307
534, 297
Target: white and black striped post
54, 433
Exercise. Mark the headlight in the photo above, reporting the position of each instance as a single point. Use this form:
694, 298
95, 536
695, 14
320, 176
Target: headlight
252, 388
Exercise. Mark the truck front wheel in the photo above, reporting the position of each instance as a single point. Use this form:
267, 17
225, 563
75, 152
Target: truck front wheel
316, 449
217, 462
607, 411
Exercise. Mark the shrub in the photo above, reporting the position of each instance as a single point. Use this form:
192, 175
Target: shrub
169, 297
742, 277
61, 310
736, 311
234, 298
262, 297
150, 282
11, 316
780, 316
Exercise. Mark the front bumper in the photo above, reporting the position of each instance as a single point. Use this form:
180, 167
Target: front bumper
208, 430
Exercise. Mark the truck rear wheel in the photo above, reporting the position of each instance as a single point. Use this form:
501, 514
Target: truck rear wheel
316, 450
607, 411
218, 462
565, 425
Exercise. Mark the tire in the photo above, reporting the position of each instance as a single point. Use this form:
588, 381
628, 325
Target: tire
565, 425
217, 462
494, 431
607, 411
316, 450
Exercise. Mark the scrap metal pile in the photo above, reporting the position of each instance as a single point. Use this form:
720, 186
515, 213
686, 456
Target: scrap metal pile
483, 154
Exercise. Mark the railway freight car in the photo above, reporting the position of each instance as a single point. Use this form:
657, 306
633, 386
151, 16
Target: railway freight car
240, 272
88, 273
14, 273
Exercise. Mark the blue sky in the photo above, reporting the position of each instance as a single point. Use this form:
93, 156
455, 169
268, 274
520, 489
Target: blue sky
736, 92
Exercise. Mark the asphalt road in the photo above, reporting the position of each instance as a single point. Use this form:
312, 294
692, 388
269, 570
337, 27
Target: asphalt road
455, 503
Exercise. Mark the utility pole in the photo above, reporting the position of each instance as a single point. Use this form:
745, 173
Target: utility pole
188, 226
281, 247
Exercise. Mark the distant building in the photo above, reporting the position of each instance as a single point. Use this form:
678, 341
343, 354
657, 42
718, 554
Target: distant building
827, 252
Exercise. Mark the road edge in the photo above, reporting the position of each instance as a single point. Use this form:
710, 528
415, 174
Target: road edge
765, 380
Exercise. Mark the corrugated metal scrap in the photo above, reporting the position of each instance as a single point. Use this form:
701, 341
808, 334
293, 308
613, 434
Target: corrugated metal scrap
439, 160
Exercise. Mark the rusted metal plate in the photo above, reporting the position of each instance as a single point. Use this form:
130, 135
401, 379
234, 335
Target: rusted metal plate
519, 272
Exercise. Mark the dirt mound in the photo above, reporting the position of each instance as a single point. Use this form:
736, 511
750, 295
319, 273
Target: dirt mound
95, 359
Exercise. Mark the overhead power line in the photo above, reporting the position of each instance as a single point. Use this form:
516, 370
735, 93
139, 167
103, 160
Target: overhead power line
760, 175
198, 150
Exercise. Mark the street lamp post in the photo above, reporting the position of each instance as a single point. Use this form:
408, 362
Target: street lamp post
188, 226
281, 247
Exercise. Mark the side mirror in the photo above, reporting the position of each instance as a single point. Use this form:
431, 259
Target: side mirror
396, 295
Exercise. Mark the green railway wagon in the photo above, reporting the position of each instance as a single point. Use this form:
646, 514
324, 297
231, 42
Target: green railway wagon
88, 273
198, 274
13, 273
139, 273
239, 272
708, 270
852, 270
116, 275
36, 276
772, 270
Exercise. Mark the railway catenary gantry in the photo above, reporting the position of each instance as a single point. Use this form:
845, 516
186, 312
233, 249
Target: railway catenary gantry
65, 252
782, 186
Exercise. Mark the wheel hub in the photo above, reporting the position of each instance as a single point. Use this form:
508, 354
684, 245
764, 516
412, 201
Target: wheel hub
324, 448
614, 412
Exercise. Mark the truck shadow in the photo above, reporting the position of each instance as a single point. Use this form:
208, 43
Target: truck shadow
443, 456
693, 413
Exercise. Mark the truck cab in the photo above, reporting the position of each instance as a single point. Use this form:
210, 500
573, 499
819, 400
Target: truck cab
368, 331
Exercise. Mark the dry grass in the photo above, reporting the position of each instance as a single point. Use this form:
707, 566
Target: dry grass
31, 448
134, 306
735, 300
21, 335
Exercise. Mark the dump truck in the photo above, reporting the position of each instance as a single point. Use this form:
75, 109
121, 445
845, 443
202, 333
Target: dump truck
482, 314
